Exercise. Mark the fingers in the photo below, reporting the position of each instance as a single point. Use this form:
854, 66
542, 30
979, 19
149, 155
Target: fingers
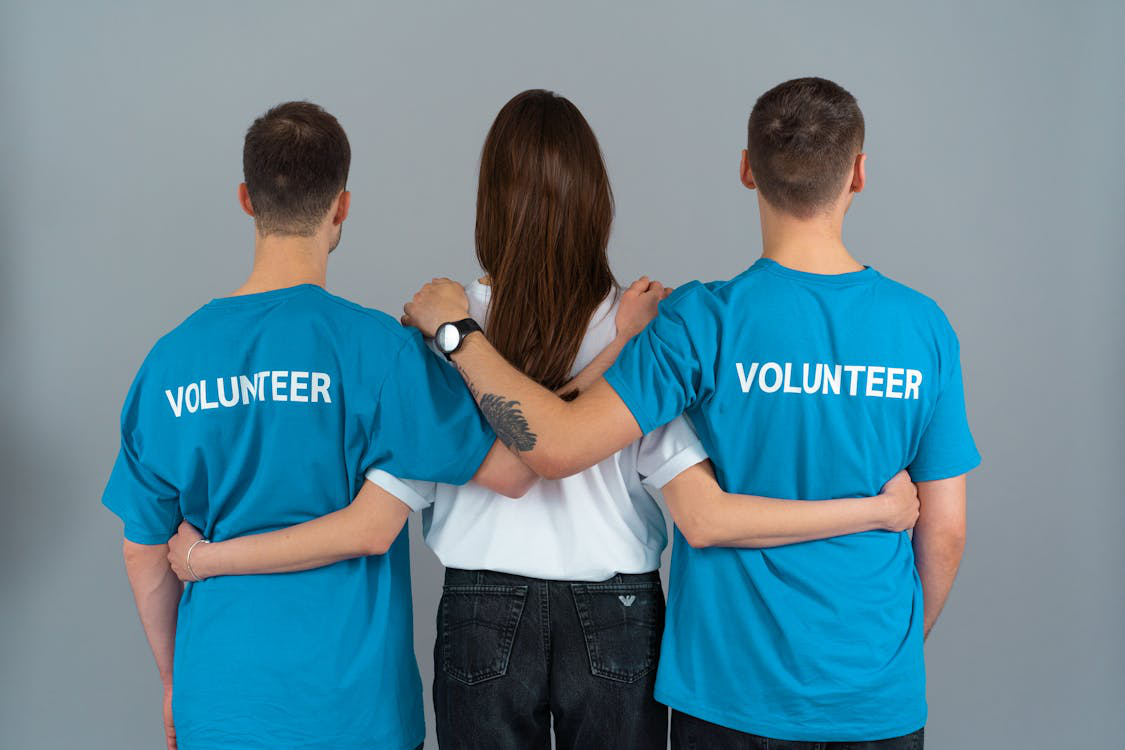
897, 479
638, 286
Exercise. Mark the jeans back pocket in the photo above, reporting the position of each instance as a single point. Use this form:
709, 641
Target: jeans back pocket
622, 624
477, 627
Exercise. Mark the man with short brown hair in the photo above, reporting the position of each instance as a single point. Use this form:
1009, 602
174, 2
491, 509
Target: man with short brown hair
267, 408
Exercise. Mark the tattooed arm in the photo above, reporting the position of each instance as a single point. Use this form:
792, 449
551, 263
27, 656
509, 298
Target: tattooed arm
553, 437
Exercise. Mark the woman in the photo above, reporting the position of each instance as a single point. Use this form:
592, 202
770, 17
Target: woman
552, 610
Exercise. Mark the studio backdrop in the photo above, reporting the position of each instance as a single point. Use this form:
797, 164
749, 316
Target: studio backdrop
994, 185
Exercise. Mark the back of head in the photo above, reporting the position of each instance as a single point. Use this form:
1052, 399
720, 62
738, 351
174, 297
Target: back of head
295, 162
804, 136
544, 211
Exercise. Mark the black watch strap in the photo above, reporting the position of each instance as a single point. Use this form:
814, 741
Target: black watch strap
465, 326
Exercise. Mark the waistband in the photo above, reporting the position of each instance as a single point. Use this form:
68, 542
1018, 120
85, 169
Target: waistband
460, 577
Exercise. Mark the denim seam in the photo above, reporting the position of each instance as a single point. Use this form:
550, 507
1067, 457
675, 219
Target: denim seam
545, 621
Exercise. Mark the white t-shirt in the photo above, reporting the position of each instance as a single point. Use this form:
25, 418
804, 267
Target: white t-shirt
586, 527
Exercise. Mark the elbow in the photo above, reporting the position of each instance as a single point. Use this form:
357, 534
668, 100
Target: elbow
953, 541
140, 554
551, 466
946, 540
514, 484
696, 535
375, 548
951, 535
517, 488
376, 543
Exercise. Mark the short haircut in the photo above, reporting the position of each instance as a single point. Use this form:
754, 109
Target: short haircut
803, 138
295, 162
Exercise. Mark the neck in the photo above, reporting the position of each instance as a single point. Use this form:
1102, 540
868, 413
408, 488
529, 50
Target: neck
284, 261
812, 245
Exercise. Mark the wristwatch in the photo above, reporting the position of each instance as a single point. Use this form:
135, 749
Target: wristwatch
450, 336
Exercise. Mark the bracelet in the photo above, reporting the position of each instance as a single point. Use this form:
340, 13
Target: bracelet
188, 560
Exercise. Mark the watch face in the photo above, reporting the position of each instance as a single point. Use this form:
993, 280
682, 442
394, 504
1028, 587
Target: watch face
447, 337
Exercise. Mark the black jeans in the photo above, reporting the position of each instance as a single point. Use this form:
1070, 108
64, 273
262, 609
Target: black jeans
690, 733
513, 652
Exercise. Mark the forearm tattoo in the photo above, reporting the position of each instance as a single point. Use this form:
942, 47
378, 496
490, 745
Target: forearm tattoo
508, 421
506, 417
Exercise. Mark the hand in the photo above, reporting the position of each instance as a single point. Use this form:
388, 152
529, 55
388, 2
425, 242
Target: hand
178, 546
639, 306
169, 727
440, 301
900, 503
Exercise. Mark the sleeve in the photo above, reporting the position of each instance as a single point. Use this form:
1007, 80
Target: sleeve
667, 451
659, 372
415, 494
947, 448
148, 504
427, 425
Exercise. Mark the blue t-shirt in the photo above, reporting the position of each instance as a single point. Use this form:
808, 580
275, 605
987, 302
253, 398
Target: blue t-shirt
801, 386
263, 411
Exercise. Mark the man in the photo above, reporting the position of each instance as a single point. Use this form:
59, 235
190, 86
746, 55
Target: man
267, 408
808, 375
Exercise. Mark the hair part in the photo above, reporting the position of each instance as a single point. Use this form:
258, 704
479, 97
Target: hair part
544, 212
295, 162
803, 138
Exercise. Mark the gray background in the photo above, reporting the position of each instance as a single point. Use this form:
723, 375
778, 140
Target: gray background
995, 167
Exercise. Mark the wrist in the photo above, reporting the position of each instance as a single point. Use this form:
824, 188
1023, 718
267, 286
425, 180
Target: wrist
471, 340
623, 336
881, 511
200, 558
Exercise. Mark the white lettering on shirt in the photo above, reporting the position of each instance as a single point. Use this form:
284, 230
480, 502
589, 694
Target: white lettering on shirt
789, 387
177, 403
746, 380
874, 378
773, 367
298, 383
191, 406
279, 384
894, 380
831, 379
818, 369
854, 371
299, 386
203, 402
320, 383
913, 381
233, 389
900, 382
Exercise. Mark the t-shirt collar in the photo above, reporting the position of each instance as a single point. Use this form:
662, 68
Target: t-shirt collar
853, 277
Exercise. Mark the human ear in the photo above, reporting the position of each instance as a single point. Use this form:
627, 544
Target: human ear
244, 199
744, 172
859, 174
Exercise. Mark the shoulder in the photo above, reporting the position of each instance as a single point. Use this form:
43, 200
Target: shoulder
911, 304
910, 299
368, 320
696, 298
184, 337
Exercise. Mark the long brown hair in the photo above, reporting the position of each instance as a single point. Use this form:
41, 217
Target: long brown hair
544, 211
